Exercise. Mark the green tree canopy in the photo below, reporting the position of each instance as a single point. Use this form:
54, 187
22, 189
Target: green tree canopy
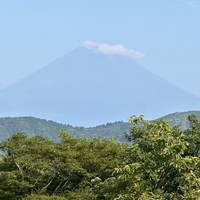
159, 162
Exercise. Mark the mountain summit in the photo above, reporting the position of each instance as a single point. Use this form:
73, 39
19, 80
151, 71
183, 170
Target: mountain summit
88, 87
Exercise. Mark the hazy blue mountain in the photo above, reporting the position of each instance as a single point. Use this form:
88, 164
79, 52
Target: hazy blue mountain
85, 87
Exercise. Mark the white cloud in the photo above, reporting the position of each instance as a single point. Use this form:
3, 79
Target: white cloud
113, 49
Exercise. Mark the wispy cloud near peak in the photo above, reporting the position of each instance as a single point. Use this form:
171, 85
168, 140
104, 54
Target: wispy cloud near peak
113, 49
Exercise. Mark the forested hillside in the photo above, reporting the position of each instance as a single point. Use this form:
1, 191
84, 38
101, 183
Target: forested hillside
160, 162
180, 118
48, 128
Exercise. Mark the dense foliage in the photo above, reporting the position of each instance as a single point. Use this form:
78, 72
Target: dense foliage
159, 162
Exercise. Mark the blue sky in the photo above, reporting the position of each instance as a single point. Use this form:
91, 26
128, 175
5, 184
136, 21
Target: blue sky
167, 32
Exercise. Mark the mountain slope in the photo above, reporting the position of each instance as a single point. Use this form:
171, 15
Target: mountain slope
87, 88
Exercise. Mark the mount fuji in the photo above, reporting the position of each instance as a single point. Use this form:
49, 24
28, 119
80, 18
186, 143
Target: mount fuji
89, 87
